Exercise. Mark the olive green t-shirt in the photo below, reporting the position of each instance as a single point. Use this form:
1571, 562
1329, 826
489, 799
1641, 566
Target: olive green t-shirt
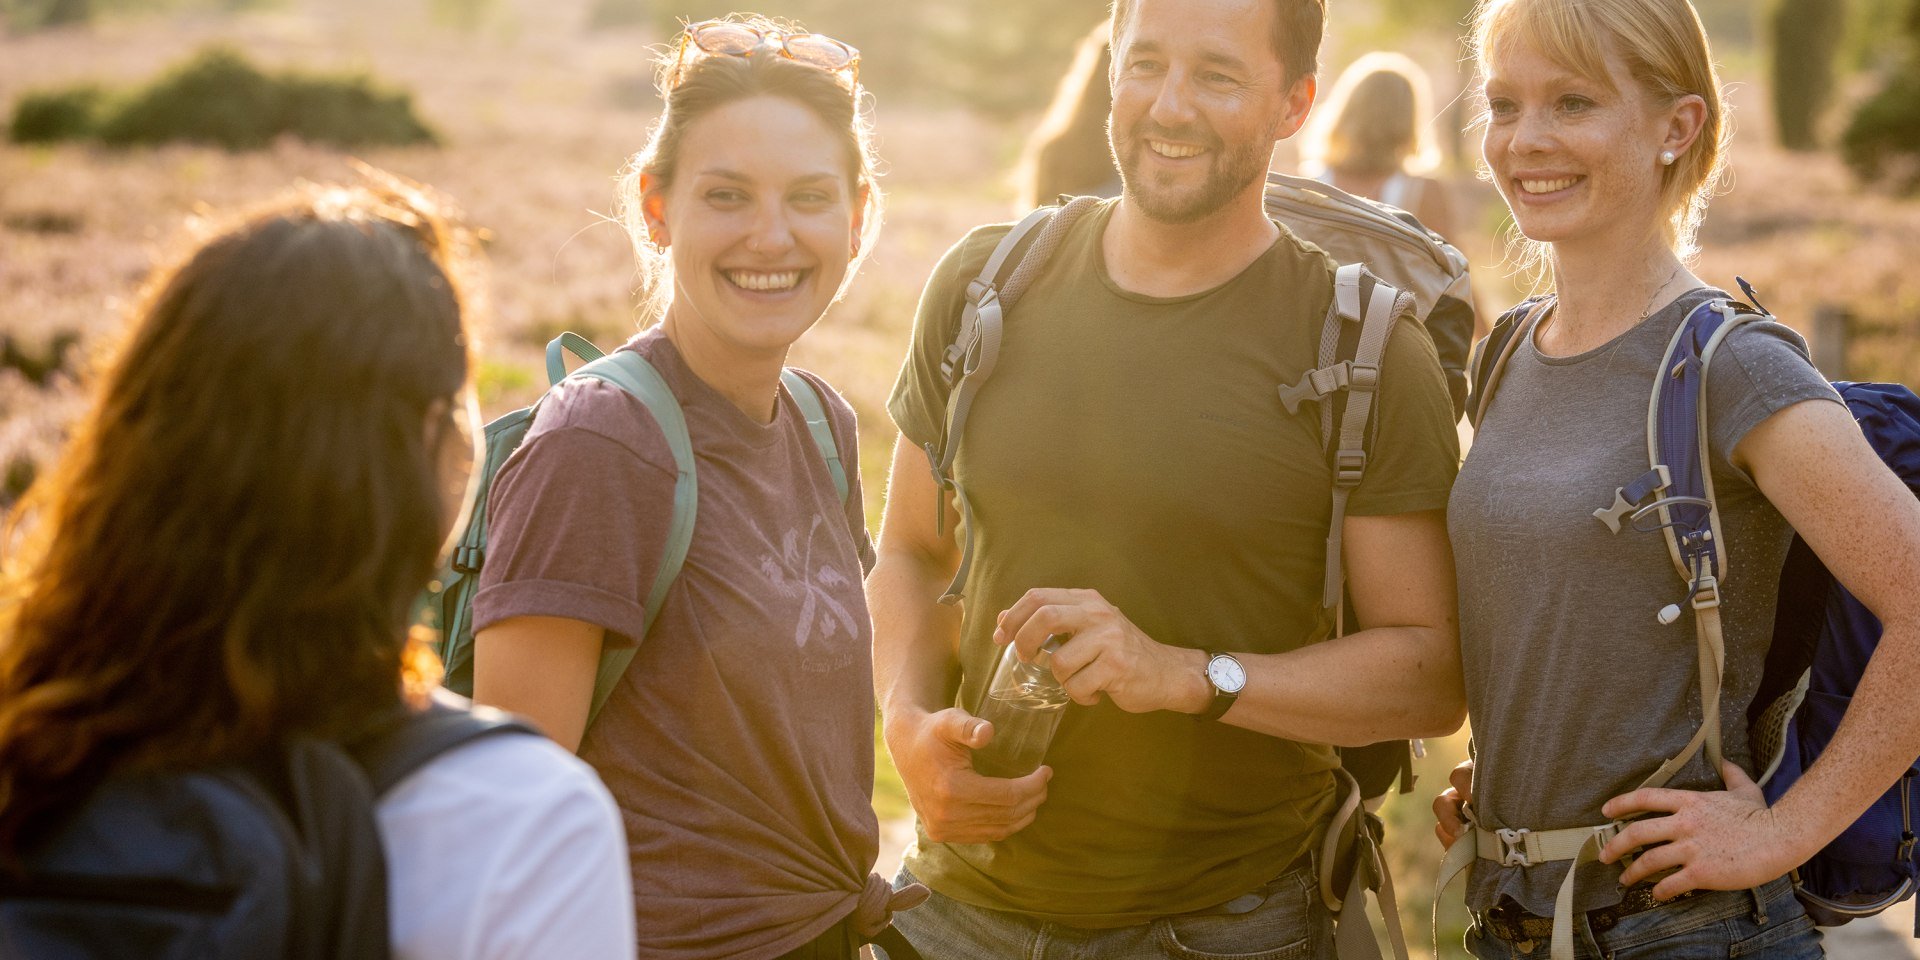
1137, 446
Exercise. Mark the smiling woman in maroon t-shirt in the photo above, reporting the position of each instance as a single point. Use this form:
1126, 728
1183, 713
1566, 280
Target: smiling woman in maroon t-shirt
739, 742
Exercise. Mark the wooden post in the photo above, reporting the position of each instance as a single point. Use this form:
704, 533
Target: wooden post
1830, 324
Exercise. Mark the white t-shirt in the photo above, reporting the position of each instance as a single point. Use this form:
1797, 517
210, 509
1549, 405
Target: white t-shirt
507, 847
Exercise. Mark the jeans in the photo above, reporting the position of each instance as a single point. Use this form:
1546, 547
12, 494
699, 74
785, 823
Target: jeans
1290, 924
1713, 924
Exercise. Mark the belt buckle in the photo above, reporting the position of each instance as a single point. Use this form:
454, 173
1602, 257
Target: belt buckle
1513, 847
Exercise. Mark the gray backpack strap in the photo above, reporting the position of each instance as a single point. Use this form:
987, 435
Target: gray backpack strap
631, 372
1372, 307
1490, 356
814, 410
1016, 262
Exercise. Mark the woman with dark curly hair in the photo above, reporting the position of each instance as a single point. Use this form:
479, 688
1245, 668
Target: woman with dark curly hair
222, 573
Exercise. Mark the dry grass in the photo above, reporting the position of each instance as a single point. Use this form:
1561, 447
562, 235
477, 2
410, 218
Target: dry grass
539, 116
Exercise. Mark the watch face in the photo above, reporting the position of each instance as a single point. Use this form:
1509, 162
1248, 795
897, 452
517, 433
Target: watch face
1227, 674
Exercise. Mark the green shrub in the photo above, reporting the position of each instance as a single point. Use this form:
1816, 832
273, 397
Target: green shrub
217, 97
1884, 136
26, 15
350, 111
220, 98
49, 116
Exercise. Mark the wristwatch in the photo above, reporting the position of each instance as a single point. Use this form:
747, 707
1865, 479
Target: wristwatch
1228, 678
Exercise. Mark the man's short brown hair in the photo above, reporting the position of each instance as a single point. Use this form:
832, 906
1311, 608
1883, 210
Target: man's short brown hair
1297, 29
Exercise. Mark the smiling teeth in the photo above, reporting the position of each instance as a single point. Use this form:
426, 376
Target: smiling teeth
763, 281
1548, 186
1169, 150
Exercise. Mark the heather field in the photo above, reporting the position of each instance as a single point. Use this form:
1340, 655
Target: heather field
537, 115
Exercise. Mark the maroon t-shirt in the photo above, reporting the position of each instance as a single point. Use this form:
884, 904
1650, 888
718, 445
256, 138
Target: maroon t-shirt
739, 744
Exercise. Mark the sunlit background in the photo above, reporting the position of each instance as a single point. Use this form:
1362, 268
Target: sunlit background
522, 111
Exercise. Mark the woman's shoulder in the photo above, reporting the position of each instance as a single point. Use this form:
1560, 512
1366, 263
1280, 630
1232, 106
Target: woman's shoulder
593, 417
506, 840
514, 777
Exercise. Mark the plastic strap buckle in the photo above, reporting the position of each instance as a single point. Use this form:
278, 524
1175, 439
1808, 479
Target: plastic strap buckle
1349, 466
950, 361
1706, 592
1362, 376
1513, 847
468, 560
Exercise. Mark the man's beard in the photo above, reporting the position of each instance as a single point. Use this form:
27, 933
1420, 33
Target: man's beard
1228, 173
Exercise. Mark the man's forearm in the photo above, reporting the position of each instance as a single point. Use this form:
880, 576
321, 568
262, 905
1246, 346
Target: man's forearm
914, 636
1386, 683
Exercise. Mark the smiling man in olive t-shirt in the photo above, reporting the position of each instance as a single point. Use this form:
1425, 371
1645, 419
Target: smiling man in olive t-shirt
1136, 483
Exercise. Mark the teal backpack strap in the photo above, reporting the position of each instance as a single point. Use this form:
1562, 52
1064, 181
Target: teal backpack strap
815, 412
573, 343
631, 372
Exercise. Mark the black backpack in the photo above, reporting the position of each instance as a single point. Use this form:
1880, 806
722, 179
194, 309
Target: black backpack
279, 857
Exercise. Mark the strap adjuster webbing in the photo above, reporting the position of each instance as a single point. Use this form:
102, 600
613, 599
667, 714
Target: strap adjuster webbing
1521, 847
1318, 384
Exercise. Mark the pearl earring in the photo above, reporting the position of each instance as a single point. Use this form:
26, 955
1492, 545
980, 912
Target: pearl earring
1667, 157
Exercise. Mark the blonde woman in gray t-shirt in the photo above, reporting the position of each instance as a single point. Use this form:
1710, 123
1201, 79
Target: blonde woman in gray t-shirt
1605, 132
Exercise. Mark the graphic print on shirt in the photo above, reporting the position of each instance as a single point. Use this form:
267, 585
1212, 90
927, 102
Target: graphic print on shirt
792, 573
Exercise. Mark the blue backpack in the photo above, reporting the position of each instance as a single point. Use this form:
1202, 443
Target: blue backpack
276, 856
1823, 636
450, 598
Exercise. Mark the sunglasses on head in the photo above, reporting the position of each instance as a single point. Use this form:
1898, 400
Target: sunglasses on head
727, 38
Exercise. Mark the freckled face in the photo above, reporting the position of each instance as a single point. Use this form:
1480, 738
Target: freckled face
1198, 102
1575, 159
761, 222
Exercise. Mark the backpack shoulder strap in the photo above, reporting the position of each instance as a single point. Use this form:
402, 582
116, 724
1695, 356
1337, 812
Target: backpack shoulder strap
1019, 259
1676, 493
631, 372
1353, 340
814, 409
414, 740
568, 342
1490, 356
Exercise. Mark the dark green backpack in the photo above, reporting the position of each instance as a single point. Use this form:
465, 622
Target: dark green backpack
450, 597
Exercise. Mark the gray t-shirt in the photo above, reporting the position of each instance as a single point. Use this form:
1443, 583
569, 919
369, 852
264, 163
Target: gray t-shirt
1577, 692
739, 744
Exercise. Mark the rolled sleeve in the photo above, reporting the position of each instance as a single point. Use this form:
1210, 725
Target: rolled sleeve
577, 525
1415, 451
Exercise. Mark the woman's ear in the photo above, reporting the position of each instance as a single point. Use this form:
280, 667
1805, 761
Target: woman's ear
653, 208
1686, 119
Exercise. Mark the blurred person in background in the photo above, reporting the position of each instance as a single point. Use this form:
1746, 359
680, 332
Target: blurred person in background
210, 600
739, 741
1373, 139
1068, 153
1605, 131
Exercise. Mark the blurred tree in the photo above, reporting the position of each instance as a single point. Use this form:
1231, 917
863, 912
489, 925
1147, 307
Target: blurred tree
1882, 141
25, 15
1804, 43
1426, 16
1731, 23
1004, 57
1869, 43
607, 14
